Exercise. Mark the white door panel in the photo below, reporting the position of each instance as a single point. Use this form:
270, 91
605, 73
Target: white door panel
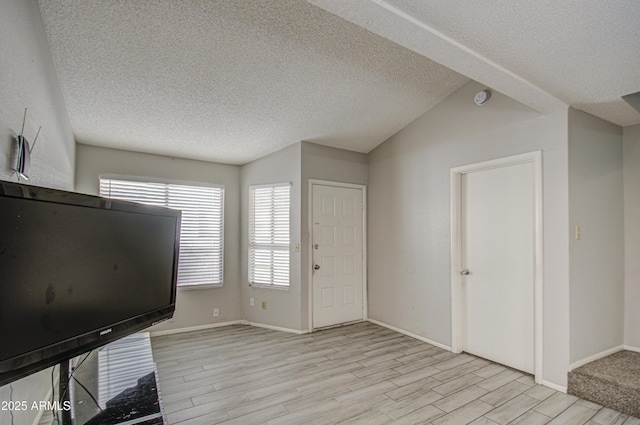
497, 224
337, 255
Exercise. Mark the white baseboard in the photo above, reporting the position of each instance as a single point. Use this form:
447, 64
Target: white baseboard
412, 335
198, 328
561, 388
219, 325
278, 328
630, 348
595, 357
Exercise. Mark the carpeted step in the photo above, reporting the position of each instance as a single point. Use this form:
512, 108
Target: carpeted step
613, 381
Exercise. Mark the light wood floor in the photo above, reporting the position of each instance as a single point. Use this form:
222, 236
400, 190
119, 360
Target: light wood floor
357, 374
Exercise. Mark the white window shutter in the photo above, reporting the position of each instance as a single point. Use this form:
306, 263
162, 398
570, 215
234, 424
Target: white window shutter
269, 239
202, 229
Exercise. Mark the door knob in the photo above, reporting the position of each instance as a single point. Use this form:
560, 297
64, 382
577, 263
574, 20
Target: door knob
465, 272
316, 267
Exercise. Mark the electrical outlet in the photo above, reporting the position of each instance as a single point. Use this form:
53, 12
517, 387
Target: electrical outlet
252, 301
264, 305
216, 312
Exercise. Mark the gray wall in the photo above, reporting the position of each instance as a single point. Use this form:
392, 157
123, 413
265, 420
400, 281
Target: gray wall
632, 235
330, 164
409, 213
28, 80
596, 260
194, 307
286, 309
289, 309
284, 306
408, 222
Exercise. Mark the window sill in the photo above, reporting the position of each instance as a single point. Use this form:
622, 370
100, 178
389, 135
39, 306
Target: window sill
280, 288
196, 287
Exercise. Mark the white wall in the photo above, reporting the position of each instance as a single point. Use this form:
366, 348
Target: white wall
631, 158
409, 218
596, 260
28, 80
194, 307
330, 164
284, 308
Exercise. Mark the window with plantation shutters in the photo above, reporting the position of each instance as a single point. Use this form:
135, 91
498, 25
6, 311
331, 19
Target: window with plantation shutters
200, 261
269, 235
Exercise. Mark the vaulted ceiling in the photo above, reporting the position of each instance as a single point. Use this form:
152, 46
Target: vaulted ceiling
233, 80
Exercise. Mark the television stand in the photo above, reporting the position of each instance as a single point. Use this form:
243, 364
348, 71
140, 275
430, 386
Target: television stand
116, 384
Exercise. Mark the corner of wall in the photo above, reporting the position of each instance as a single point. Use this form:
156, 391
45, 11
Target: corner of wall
29, 81
596, 244
631, 171
194, 307
284, 306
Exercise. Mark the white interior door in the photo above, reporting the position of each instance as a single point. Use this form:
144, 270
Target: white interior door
498, 250
337, 255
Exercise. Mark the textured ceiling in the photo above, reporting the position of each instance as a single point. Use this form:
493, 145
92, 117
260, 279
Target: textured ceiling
545, 53
231, 81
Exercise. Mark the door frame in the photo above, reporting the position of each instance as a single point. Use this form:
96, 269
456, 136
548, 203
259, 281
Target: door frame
457, 310
363, 191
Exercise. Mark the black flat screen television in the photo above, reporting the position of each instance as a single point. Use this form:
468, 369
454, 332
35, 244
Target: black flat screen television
79, 271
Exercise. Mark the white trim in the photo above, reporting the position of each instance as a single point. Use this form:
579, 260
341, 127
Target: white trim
199, 286
267, 286
197, 328
561, 388
222, 324
456, 250
363, 190
595, 357
412, 335
265, 185
278, 328
538, 315
336, 184
630, 348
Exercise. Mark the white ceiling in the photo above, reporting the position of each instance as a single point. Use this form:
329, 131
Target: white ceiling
232, 80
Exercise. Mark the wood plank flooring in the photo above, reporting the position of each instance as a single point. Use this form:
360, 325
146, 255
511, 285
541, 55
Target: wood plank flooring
357, 374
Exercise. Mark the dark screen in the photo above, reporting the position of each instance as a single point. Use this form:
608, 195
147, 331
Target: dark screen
67, 270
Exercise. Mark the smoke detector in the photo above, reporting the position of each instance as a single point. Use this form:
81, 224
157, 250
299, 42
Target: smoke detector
482, 97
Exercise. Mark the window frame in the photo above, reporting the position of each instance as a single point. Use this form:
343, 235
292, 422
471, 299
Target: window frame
168, 182
277, 247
